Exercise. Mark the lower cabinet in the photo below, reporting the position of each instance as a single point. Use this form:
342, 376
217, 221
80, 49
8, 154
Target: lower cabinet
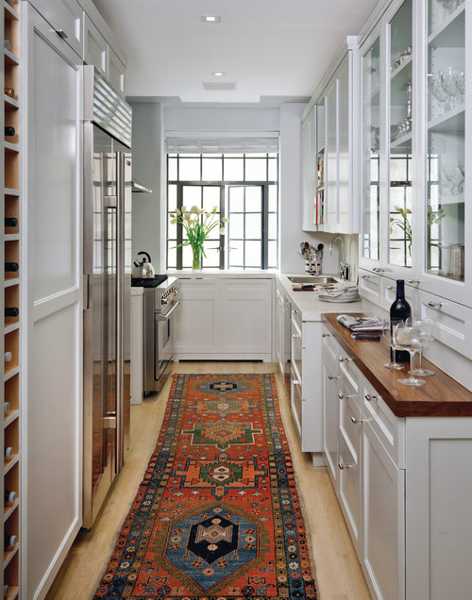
404, 486
224, 318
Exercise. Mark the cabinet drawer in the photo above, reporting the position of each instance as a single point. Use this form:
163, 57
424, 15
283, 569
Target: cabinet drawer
65, 16
452, 322
370, 287
329, 344
350, 415
116, 72
95, 47
349, 488
389, 429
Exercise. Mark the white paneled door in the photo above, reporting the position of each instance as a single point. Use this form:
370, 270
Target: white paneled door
54, 344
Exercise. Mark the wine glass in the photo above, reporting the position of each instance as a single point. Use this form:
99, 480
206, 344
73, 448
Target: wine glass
407, 337
393, 364
425, 331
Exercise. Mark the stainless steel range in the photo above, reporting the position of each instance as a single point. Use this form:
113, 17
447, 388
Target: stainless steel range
161, 303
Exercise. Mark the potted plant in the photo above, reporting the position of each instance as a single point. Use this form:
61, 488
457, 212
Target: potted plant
198, 224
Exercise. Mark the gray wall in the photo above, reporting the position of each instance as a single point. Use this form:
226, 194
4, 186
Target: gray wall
147, 168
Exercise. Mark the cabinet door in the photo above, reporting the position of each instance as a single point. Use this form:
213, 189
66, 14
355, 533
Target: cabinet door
371, 132
279, 330
244, 322
331, 200
400, 86
350, 488
308, 164
383, 538
95, 47
195, 325
116, 72
65, 16
448, 158
347, 220
330, 376
54, 312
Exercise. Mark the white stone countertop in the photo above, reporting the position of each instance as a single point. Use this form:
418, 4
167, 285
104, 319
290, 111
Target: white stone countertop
310, 307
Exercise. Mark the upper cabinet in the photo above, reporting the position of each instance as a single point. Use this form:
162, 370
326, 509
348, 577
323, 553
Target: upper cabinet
416, 175
329, 161
81, 26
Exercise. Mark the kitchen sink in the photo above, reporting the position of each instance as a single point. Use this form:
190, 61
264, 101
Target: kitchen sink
313, 280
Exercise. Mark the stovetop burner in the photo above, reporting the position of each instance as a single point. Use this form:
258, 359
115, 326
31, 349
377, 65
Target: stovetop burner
148, 282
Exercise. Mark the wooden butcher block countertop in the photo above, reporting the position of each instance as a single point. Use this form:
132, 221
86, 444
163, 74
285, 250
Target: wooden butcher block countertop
441, 396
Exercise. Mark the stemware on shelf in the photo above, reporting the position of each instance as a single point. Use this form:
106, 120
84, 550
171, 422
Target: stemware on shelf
407, 337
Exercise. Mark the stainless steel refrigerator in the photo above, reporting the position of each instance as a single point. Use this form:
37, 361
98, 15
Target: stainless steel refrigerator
107, 284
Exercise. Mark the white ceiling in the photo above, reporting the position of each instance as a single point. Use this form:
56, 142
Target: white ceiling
268, 47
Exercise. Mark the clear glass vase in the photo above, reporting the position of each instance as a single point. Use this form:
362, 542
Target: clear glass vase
197, 252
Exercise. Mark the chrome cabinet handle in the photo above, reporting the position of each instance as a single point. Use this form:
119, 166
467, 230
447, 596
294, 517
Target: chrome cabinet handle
325, 335
365, 277
297, 382
370, 397
62, 34
391, 287
342, 396
168, 315
435, 305
342, 466
343, 359
333, 377
359, 421
378, 270
414, 281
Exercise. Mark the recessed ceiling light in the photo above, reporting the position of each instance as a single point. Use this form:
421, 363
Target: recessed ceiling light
218, 73
211, 19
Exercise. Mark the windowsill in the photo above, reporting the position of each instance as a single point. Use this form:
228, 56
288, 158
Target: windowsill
268, 273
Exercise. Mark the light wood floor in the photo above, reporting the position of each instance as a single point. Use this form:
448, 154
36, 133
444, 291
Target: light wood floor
338, 572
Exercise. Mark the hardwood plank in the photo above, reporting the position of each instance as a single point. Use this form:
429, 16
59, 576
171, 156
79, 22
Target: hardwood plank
441, 396
338, 572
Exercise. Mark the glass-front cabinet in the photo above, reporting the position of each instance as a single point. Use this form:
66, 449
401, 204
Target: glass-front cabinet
371, 94
448, 67
416, 146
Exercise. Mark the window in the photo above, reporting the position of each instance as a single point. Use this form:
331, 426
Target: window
401, 232
243, 187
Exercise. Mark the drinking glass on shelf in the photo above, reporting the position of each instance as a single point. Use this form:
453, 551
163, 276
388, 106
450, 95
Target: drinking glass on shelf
407, 337
425, 332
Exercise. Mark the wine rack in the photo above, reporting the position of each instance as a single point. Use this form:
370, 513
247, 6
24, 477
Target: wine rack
11, 322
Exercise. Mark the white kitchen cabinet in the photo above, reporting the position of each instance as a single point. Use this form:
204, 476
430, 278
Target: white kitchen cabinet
65, 17
279, 330
116, 71
95, 47
333, 117
137, 345
330, 376
53, 339
383, 545
309, 169
224, 318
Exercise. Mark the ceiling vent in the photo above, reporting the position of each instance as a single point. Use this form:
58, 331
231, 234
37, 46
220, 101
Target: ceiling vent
219, 85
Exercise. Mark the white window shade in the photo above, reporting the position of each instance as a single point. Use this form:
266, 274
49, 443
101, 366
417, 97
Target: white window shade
184, 145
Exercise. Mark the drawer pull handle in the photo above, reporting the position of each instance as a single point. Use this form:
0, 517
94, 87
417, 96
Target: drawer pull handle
343, 396
370, 397
342, 466
366, 277
378, 270
325, 335
359, 421
391, 287
333, 377
296, 382
62, 34
343, 359
435, 305
414, 281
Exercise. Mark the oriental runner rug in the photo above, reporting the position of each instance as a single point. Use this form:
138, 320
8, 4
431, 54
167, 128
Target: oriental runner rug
217, 515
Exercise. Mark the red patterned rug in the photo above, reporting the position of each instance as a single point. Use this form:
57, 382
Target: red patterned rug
217, 515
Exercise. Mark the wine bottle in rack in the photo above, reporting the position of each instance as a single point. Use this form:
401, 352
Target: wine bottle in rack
10, 541
11, 222
8, 453
12, 267
10, 496
12, 311
8, 357
9, 131
399, 311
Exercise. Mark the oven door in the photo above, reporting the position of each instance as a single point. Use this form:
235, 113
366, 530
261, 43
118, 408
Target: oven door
164, 343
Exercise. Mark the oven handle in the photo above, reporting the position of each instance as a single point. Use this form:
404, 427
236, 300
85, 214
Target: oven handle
167, 316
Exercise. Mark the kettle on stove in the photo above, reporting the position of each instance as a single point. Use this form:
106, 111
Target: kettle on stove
144, 268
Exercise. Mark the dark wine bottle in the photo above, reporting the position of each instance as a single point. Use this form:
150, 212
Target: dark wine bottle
12, 311
9, 131
399, 311
11, 222
12, 267
10, 496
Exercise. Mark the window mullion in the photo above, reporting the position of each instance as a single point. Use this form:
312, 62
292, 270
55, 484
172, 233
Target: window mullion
265, 227
179, 227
